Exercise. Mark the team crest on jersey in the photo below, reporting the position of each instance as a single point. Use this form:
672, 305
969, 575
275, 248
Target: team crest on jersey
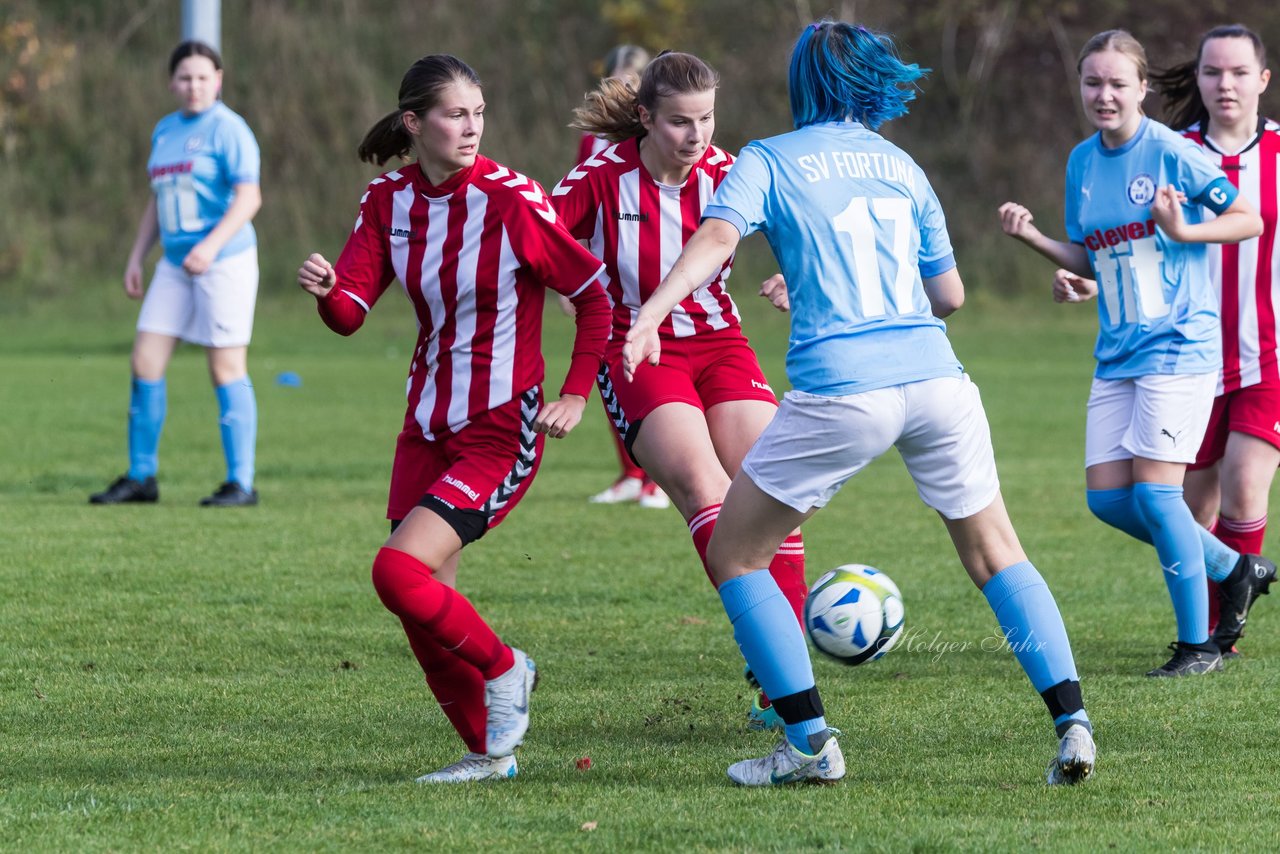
194, 144
1142, 190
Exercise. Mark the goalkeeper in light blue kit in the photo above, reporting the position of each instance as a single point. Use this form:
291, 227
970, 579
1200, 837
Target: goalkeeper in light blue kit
863, 246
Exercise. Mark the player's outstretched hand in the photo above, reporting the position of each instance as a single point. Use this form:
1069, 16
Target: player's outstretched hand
133, 279
642, 345
558, 417
316, 275
774, 289
1017, 221
1166, 210
1068, 287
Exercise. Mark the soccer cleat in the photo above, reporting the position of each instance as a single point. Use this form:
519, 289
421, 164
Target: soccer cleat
507, 699
230, 494
787, 765
762, 716
623, 489
1075, 760
472, 768
1190, 659
1237, 592
652, 497
125, 490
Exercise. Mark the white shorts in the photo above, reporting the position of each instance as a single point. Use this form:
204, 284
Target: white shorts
213, 309
814, 444
1158, 417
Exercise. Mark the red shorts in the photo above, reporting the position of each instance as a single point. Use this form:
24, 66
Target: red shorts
702, 370
485, 468
1254, 410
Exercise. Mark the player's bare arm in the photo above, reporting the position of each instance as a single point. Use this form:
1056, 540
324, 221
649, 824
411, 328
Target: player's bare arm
1017, 222
945, 292
707, 250
1236, 223
246, 204
148, 234
559, 417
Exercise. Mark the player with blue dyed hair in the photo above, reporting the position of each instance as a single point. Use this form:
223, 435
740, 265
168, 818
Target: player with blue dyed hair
204, 169
1142, 202
863, 245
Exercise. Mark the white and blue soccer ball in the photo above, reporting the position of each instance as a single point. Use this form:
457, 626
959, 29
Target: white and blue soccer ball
854, 613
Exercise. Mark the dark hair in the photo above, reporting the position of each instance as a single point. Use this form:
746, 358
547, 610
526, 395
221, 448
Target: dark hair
611, 111
1179, 89
420, 90
193, 48
841, 71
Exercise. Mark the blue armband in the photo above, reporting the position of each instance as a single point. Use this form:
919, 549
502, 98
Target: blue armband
1218, 196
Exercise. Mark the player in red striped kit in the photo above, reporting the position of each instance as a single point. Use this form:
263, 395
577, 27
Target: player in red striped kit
1214, 99
625, 61
689, 420
474, 244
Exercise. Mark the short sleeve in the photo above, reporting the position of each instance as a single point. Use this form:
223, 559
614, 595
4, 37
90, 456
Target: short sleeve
1201, 179
743, 196
240, 155
541, 242
936, 253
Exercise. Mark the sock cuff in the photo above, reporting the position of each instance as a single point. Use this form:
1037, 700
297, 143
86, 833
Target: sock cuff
1119, 492
1242, 526
739, 595
1010, 581
1163, 490
148, 385
706, 515
242, 381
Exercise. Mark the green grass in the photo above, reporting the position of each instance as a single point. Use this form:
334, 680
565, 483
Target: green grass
178, 678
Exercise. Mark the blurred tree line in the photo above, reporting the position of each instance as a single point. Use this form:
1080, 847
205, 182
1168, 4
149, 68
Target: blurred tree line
83, 83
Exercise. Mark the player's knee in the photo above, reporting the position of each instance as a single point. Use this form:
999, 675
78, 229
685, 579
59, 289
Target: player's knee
395, 574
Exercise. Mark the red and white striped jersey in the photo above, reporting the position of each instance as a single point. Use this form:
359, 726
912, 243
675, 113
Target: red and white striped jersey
1248, 273
638, 227
474, 256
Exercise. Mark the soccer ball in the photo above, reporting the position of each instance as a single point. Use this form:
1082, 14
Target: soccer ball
854, 613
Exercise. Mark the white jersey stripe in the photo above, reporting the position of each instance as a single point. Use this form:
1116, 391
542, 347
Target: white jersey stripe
629, 239
504, 333
1245, 284
429, 288
464, 310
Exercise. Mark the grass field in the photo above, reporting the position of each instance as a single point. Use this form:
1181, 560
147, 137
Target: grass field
182, 678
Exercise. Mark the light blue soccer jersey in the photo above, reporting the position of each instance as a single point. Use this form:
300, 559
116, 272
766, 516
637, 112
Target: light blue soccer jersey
1157, 306
195, 163
854, 225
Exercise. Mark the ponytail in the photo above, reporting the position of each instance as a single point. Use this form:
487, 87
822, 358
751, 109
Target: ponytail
609, 112
385, 140
1180, 95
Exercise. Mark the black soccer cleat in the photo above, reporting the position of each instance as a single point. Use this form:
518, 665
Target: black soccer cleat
1237, 592
231, 494
1190, 659
125, 490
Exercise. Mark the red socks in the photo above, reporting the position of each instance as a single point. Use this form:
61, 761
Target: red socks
1245, 536
456, 685
787, 566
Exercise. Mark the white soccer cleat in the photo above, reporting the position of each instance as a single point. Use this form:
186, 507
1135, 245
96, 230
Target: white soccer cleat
472, 768
788, 765
652, 497
623, 489
507, 699
1076, 757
